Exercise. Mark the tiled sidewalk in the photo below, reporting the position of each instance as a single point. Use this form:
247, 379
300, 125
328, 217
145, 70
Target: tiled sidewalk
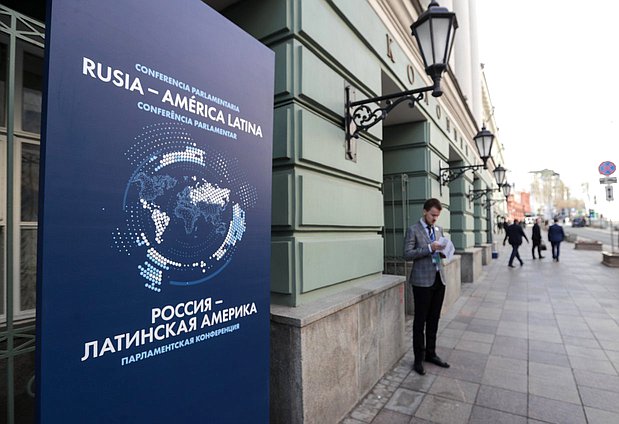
533, 344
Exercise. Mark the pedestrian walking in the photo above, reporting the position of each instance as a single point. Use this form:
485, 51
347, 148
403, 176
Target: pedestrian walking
422, 246
536, 239
514, 233
555, 237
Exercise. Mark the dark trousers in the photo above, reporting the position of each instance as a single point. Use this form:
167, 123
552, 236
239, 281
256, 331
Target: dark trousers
428, 303
515, 254
536, 244
555, 249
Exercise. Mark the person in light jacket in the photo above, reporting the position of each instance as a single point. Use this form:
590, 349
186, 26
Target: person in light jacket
421, 245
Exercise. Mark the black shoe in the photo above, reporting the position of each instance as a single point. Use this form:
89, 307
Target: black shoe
418, 368
511, 266
437, 361
542, 257
521, 263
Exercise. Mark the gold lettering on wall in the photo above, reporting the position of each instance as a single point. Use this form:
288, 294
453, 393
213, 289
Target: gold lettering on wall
410, 72
389, 50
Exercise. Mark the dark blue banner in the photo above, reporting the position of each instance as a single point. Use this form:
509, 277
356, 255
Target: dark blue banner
154, 241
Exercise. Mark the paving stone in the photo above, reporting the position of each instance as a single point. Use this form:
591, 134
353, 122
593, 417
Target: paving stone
604, 367
550, 358
502, 400
390, 417
349, 420
551, 372
546, 346
585, 352
600, 399
443, 411
518, 366
554, 411
404, 401
477, 337
482, 415
453, 388
474, 346
597, 416
610, 344
419, 383
557, 389
580, 341
505, 380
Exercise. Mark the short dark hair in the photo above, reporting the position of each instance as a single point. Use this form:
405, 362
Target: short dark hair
432, 203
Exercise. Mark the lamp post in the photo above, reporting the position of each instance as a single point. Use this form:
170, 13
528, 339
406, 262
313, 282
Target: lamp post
507, 190
434, 31
483, 142
500, 174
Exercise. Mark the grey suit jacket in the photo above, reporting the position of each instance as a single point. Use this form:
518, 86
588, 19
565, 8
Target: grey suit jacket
416, 249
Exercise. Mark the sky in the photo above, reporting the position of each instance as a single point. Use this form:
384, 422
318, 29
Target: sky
552, 69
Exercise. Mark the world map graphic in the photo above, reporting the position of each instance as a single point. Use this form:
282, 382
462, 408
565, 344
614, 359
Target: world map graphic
185, 207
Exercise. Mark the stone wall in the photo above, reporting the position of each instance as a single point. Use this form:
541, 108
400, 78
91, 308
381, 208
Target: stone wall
471, 264
326, 355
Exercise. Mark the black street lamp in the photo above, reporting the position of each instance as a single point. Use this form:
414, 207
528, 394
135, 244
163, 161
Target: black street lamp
483, 143
434, 31
507, 190
499, 176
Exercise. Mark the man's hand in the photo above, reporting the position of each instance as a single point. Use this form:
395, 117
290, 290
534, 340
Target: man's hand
436, 246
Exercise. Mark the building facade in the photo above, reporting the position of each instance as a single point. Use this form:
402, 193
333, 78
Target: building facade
340, 210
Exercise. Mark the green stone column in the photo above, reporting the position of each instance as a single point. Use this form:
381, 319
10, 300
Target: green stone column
462, 212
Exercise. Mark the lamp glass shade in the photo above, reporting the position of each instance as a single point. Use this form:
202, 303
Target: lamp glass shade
435, 30
483, 142
499, 175
507, 189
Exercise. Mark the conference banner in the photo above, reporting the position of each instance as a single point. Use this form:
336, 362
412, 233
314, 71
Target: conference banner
155, 220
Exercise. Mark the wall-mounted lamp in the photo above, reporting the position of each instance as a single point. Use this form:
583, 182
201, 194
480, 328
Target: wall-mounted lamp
473, 195
499, 176
507, 190
434, 32
483, 143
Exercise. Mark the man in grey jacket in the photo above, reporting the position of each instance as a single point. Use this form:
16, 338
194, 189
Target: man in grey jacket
422, 246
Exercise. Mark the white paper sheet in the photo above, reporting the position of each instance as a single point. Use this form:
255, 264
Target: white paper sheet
448, 248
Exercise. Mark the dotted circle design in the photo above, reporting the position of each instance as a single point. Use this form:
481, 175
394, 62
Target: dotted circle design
185, 208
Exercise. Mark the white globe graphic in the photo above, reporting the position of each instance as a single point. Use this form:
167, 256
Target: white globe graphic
185, 209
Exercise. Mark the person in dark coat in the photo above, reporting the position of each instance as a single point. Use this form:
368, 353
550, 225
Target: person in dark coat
515, 234
555, 237
536, 238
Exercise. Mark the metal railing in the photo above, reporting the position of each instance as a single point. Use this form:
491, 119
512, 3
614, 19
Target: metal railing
396, 203
15, 339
